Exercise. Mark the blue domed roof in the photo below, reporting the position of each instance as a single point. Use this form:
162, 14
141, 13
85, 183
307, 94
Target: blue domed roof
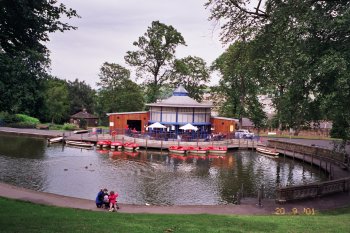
180, 91
180, 98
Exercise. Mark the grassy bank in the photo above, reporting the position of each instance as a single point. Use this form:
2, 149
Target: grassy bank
17, 216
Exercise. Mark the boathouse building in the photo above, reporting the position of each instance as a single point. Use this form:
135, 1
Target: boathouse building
174, 112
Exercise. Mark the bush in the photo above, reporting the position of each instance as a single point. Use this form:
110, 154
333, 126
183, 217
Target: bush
7, 118
27, 119
21, 125
68, 126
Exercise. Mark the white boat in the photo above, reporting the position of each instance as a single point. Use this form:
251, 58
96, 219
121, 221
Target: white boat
197, 150
268, 152
80, 131
217, 149
54, 140
130, 146
79, 143
177, 149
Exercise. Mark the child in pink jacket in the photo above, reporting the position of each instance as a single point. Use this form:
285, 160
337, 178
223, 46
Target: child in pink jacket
112, 200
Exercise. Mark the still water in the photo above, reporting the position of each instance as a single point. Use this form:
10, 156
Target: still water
153, 177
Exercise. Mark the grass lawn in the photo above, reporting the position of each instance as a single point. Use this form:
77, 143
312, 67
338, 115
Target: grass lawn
18, 216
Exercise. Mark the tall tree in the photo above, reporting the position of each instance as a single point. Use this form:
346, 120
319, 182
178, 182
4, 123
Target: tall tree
239, 83
193, 74
81, 96
56, 100
24, 29
154, 57
306, 54
239, 19
117, 93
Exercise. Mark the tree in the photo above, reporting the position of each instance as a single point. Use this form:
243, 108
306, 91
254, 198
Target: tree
193, 74
24, 29
56, 100
239, 83
154, 57
240, 19
81, 95
305, 55
117, 93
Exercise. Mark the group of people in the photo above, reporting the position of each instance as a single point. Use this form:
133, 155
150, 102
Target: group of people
107, 200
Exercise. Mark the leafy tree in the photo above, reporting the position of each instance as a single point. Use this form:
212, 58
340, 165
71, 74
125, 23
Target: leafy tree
239, 83
81, 95
56, 100
239, 19
303, 55
19, 88
117, 93
154, 57
193, 74
24, 29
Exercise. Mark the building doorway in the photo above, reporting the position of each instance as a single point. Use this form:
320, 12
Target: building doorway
134, 124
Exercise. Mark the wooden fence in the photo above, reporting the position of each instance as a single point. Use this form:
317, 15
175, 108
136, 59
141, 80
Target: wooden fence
312, 190
340, 159
320, 189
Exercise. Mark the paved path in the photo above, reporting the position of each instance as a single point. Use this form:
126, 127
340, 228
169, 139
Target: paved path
248, 207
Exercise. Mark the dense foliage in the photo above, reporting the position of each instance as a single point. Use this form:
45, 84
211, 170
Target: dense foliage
193, 74
24, 29
117, 92
301, 51
154, 57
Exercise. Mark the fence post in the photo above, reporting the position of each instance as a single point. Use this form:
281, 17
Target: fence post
146, 143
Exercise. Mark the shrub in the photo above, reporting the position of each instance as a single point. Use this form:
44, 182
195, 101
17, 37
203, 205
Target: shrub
27, 119
21, 125
7, 118
55, 127
68, 126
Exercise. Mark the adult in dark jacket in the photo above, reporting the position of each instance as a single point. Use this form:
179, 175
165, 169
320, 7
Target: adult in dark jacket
99, 198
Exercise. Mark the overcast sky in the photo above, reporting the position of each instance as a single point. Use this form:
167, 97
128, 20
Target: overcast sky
107, 29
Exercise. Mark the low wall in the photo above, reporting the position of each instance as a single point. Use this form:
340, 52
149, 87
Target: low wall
312, 190
321, 153
320, 189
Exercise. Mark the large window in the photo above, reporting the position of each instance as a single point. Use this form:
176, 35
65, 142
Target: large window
168, 114
185, 117
155, 113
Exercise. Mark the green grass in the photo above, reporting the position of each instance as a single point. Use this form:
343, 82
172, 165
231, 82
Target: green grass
17, 216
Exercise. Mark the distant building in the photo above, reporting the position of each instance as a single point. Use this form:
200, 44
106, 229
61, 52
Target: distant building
91, 120
174, 112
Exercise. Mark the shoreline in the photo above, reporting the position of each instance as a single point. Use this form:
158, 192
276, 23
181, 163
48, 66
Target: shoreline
249, 206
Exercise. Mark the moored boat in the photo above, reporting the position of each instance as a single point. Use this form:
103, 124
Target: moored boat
217, 149
80, 131
116, 145
130, 146
197, 150
267, 152
79, 143
103, 144
177, 149
54, 140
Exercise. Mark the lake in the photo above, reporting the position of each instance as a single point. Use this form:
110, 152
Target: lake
153, 177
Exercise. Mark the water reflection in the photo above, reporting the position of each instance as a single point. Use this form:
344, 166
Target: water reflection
145, 177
